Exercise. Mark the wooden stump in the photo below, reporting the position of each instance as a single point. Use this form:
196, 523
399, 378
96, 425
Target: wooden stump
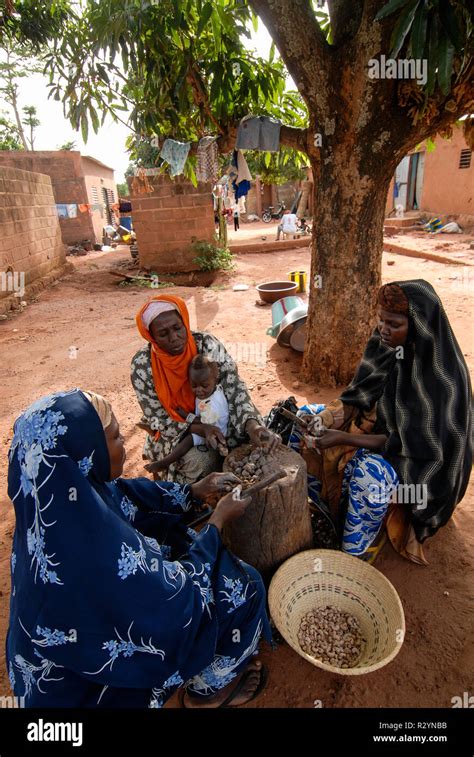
277, 523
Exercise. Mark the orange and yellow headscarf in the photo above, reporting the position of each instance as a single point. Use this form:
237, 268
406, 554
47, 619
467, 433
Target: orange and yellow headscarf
170, 372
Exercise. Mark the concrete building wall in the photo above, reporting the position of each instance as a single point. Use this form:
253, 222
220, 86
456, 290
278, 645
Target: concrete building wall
98, 177
31, 247
65, 170
72, 176
168, 220
447, 189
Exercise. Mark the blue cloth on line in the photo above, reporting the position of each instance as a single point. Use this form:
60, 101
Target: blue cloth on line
175, 153
114, 601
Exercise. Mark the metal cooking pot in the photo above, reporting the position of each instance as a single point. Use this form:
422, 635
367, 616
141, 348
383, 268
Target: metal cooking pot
292, 332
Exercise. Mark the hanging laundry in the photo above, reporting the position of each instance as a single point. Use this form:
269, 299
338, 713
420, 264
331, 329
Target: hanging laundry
97, 206
207, 168
67, 210
84, 208
243, 171
258, 133
175, 153
241, 186
62, 210
241, 189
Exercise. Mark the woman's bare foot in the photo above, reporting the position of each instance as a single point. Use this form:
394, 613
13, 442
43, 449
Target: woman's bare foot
253, 673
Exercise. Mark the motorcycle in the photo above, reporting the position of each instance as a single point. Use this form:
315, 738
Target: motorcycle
271, 214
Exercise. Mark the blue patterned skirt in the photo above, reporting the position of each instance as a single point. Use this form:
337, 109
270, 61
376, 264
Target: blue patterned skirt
367, 487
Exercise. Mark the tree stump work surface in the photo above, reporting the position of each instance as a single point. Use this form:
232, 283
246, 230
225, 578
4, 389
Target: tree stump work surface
277, 523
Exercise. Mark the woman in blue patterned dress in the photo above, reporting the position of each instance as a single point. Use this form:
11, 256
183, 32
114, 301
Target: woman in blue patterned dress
400, 434
114, 601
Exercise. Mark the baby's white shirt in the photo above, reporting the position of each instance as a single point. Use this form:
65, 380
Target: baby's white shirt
214, 410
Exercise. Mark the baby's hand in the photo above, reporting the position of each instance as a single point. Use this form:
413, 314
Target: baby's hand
155, 467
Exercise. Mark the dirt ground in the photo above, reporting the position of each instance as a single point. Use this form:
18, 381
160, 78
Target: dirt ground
87, 310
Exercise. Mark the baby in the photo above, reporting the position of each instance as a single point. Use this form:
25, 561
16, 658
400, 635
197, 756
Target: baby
211, 408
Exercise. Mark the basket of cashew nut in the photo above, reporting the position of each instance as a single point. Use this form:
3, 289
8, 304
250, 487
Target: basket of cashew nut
337, 612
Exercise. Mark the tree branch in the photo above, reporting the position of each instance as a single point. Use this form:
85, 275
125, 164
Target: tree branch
302, 45
290, 136
345, 18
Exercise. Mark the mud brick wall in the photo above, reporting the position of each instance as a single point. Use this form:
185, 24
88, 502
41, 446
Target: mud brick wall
67, 177
30, 236
168, 220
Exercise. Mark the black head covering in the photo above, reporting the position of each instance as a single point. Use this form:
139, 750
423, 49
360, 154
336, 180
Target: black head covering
423, 401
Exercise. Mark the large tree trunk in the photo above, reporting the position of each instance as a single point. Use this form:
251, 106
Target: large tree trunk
345, 267
359, 130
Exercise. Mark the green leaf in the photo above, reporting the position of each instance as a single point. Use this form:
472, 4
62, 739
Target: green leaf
267, 159
432, 55
445, 64
402, 27
450, 23
430, 145
271, 55
255, 22
94, 119
84, 127
389, 8
205, 16
418, 34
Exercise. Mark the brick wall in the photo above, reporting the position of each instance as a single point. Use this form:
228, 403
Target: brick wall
168, 220
30, 237
66, 172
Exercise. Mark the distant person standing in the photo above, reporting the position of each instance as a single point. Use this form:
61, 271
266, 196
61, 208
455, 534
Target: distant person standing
287, 224
236, 218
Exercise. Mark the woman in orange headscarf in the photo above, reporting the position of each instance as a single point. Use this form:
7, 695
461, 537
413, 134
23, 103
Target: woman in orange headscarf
160, 379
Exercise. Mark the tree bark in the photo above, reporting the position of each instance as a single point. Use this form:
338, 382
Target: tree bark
360, 129
345, 268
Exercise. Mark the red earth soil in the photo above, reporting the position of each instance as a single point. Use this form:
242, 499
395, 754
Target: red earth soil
87, 310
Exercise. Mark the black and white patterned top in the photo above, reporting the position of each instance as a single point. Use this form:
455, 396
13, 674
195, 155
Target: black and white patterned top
241, 407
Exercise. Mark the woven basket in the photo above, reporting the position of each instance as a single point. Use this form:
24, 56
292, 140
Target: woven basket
320, 577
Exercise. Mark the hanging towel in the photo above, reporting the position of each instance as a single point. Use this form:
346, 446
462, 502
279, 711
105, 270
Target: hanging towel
62, 210
243, 172
175, 153
258, 133
241, 189
207, 168
67, 210
84, 207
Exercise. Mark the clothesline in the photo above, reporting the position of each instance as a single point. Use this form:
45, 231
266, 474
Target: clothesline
254, 133
70, 209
